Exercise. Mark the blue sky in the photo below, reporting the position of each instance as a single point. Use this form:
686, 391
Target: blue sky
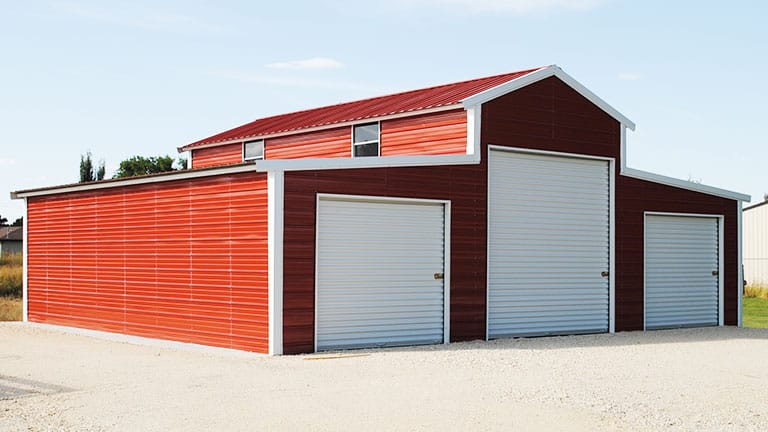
142, 78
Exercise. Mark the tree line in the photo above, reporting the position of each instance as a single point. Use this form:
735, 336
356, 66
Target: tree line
131, 167
17, 222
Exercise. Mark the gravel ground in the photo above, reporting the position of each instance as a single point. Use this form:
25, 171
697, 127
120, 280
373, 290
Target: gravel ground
713, 379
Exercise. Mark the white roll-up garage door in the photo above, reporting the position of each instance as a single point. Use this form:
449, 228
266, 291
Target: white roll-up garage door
380, 266
681, 271
549, 245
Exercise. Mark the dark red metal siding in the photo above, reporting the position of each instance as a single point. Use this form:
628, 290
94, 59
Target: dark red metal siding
547, 115
183, 260
550, 115
228, 154
634, 197
463, 185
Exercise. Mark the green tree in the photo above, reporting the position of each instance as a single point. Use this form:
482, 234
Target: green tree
3, 221
101, 170
140, 165
88, 172
18, 222
86, 168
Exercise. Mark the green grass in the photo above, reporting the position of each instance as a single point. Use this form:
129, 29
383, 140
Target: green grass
755, 312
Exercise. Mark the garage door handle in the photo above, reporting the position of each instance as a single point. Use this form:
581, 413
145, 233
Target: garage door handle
604, 274
439, 276
715, 272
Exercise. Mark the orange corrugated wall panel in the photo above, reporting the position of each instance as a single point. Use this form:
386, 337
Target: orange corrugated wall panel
184, 260
228, 154
429, 134
331, 143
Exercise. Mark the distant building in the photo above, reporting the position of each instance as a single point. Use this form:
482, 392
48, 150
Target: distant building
11, 240
756, 244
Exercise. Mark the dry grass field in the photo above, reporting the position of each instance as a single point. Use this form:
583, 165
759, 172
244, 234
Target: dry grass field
11, 275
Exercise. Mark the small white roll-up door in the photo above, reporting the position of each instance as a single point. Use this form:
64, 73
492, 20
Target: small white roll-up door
548, 244
681, 271
380, 268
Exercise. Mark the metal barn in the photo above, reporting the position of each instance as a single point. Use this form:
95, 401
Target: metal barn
491, 208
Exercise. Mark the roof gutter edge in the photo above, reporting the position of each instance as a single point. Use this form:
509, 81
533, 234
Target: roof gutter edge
684, 184
538, 75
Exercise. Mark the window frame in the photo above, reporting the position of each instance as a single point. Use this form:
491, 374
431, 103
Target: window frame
377, 140
254, 158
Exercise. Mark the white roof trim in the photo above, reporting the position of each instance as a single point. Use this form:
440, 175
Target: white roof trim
263, 166
324, 127
683, 184
539, 75
364, 162
182, 175
760, 204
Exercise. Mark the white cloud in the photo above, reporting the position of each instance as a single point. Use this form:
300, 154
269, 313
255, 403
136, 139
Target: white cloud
310, 63
4, 161
630, 76
510, 6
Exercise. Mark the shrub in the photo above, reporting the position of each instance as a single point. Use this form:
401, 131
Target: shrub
11, 260
756, 290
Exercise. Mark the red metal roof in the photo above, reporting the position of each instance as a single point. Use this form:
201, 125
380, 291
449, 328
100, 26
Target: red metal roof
409, 101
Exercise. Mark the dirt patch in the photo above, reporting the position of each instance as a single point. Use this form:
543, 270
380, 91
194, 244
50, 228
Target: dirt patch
697, 379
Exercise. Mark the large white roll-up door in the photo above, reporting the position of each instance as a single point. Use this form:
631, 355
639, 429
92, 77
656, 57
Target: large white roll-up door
548, 244
380, 268
681, 271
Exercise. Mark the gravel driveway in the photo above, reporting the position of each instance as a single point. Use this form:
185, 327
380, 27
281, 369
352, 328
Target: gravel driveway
698, 379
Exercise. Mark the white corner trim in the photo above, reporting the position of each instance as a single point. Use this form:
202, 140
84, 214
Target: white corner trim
325, 127
367, 162
539, 75
740, 263
275, 200
683, 184
622, 148
474, 118
25, 263
189, 159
